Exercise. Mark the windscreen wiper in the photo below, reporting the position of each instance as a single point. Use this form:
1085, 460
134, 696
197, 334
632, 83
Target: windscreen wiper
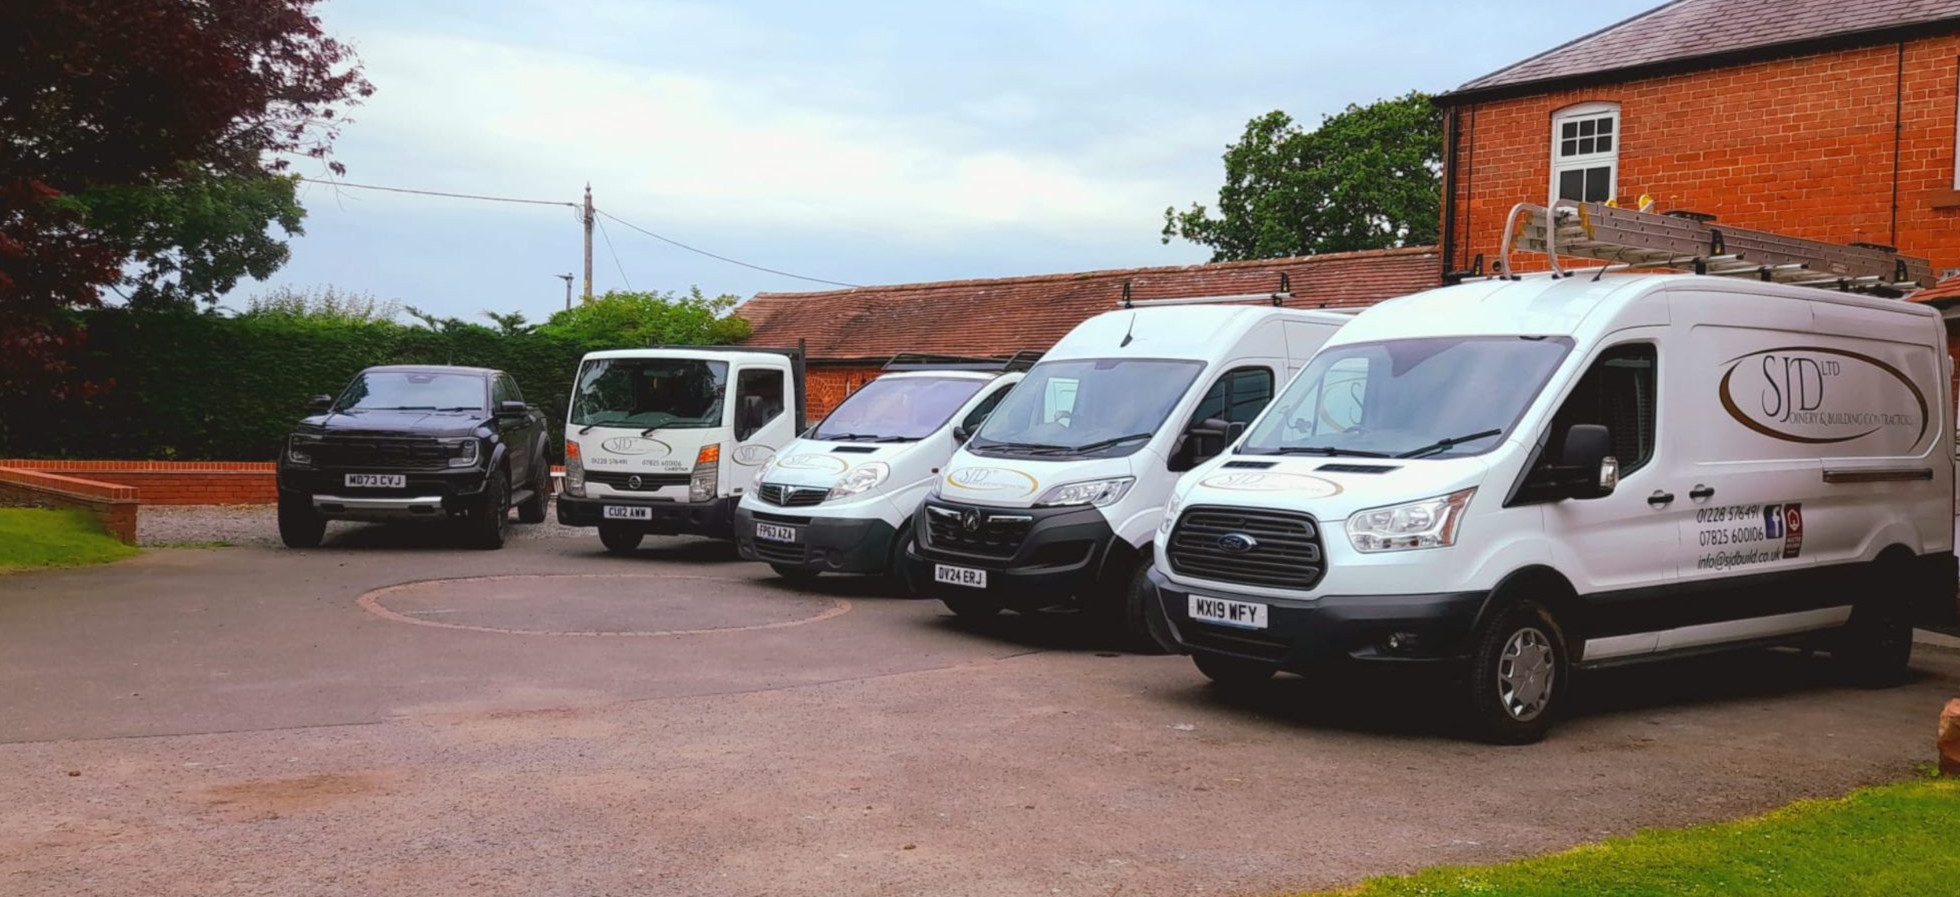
845, 437
1328, 450
1043, 447
1106, 443
1446, 444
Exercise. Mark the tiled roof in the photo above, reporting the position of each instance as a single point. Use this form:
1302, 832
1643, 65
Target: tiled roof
1948, 289
1686, 30
989, 317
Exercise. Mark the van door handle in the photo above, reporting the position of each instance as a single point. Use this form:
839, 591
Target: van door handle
1701, 492
1660, 499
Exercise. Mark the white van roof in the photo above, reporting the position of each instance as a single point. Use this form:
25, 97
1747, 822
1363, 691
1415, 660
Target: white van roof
1182, 331
694, 354
1566, 306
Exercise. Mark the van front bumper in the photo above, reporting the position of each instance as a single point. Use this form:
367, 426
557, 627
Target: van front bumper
1302, 633
829, 544
666, 518
1058, 561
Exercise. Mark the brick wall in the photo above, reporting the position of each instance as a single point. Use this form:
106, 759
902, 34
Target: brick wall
175, 482
114, 506
829, 385
1803, 146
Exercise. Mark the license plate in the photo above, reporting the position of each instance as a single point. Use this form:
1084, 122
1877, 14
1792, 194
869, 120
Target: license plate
775, 533
960, 576
1243, 614
622, 512
376, 480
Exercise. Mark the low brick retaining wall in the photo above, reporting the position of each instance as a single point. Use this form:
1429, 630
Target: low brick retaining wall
173, 482
113, 505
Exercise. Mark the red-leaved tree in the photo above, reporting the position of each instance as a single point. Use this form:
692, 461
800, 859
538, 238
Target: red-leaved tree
102, 95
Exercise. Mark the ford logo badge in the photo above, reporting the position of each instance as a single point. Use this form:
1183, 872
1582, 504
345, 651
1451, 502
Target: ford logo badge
1237, 543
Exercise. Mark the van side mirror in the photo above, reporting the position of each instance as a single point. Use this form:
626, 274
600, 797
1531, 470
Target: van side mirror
320, 403
1204, 440
1588, 460
961, 434
512, 408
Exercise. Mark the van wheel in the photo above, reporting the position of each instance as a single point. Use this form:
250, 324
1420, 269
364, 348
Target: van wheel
534, 509
898, 572
1874, 650
794, 573
1516, 681
299, 526
1144, 630
1232, 672
488, 524
970, 608
618, 539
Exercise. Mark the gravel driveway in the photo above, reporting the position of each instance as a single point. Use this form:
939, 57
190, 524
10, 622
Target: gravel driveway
258, 525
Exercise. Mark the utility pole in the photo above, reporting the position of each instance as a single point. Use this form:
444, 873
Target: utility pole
588, 242
567, 278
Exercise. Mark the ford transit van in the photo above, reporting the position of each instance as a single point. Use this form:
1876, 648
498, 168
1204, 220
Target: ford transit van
841, 498
1527, 477
663, 440
1054, 501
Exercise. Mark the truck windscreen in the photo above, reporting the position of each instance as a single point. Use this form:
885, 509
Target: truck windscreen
649, 393
1100, 407
897, 409
413, 391
1432, 397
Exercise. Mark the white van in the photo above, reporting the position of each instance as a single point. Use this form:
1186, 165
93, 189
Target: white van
1530, 476
1055, 499
663, 440
841, 498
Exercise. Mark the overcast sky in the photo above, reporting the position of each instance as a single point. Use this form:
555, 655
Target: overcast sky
864, 142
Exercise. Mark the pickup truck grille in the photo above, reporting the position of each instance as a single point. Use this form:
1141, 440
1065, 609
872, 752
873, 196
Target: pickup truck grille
1285, 550
791, 496
991, 533
380, 453
647, 482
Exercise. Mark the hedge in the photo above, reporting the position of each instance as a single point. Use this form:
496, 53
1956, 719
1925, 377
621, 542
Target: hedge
188, 386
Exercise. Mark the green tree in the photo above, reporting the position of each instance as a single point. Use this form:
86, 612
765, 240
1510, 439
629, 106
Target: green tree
620, 320
191, 240
1367, 178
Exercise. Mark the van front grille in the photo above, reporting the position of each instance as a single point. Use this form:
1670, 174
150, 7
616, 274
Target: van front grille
636, 482
1278, 549
974, 531
791, 496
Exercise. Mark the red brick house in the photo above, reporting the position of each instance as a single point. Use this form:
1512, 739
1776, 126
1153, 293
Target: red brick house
850, 334
1828, 119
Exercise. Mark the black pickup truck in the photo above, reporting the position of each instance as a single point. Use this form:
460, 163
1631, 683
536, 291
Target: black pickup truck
417, 442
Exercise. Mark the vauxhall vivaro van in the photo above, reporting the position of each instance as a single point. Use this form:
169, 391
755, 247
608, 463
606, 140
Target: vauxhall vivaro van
1054, 501
841, 498
1528, 476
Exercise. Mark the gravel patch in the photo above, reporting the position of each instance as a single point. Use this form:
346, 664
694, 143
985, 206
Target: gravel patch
159, 526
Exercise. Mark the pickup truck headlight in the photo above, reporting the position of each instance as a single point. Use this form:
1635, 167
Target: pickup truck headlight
299, 449
463, 452
574, 471
1095, 493
1430, 523
707, 474
860, 480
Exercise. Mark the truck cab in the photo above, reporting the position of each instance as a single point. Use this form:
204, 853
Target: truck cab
664, 440
1053, 502
840, 499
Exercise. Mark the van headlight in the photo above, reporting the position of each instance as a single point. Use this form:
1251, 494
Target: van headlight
1170, 513
463, 452
762, 472
1430, 523
860, 480
1095, 493
574, 470
705, 483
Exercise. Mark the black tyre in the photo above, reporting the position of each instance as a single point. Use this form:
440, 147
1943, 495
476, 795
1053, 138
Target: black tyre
1140, 622
794, 573
1232, 672
1874, 650
969, 607
618, 539
1518, 675
299, 526
534, 509
488, 524
898, 572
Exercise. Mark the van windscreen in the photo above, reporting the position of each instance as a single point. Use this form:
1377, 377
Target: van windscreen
1432, 397
897, 409
1101, 407
649, 393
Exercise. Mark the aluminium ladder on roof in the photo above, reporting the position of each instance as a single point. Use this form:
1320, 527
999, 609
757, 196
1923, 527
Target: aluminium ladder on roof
1629, 240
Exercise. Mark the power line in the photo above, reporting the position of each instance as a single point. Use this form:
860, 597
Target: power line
723, 258
531, 202
615, 255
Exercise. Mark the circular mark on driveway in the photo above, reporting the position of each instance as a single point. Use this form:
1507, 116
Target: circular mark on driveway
597, 604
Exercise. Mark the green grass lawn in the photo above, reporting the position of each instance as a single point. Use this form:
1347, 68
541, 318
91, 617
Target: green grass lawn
1889, 841
36, 537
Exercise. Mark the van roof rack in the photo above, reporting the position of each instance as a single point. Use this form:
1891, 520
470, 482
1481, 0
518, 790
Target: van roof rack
929, 361
1628, 240
1277, 298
